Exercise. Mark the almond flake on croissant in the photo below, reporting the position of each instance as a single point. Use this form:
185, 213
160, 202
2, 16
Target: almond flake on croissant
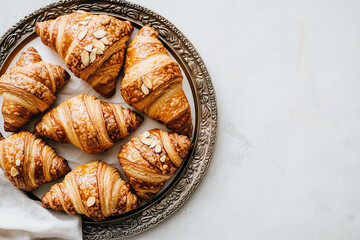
152, 158
94, 189
153, 82
29, 88
89, 123
92, 46
28, 162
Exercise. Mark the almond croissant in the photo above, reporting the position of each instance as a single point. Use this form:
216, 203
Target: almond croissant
94, 189
92, 46
153, 82
29, 88
152, 158
28, 162
89, 123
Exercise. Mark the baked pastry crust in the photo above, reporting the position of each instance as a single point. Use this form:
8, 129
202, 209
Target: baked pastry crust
89, 123
152, 158
94, 189
153, 82
28, 162
92, 46
29, 88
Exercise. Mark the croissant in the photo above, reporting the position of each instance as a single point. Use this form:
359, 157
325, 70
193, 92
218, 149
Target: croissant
153, 82
152, 158
94, 189
92, 46
89, 123
28, 162
29, 88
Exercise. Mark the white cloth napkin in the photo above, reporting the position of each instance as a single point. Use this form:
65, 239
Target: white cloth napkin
22, 218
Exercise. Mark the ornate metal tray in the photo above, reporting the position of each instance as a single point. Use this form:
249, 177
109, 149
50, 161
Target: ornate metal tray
194, 167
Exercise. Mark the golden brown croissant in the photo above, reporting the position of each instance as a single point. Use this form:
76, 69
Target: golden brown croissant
94, 189
153, 82
92, 46
29, 88
152, 158
28, 162
89, 123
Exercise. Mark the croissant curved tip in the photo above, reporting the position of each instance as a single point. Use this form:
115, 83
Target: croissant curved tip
107, 94
31, 49
41, 130
60, 168
133, 202
148, 31
66, 75
10, 124
139, 119
10, 128
187, 131
182, 125
146, 196
37, 128
45, 201
37, 28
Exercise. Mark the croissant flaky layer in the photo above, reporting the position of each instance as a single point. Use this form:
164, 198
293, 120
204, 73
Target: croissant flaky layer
92, 46
29, 88
89, 123
28, 162
94, 189
152, 158
153, 82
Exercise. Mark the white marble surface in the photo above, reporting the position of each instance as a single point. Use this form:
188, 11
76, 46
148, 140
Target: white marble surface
287, 80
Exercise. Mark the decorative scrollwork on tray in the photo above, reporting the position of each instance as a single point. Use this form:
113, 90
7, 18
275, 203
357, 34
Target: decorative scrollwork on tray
194, 171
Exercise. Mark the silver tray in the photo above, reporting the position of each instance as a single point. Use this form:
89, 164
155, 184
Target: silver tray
194, 167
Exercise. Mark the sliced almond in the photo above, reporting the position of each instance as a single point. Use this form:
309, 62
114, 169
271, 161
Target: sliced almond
99, 52
100, 33
163, 158
105, 21
84, 23
146, 141
85, 58
14, 172
87, 18
91, 201
144, 89
80, 11
93, 55
146, 134
105, 41
99, 45
82, 34
147, 82
17, 162
88, 48
153, 144
158, 148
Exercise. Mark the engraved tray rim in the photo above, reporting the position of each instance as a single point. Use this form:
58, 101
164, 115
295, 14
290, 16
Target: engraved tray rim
195, 166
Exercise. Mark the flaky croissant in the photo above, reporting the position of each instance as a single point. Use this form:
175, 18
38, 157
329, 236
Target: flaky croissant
28, 162
29, 88
153, 82
152, 158
92, 46
89, 123
94, 189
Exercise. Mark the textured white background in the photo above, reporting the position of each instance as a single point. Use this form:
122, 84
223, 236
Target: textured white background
287, 80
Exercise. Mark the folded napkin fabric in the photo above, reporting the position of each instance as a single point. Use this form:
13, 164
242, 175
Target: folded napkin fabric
22, 218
